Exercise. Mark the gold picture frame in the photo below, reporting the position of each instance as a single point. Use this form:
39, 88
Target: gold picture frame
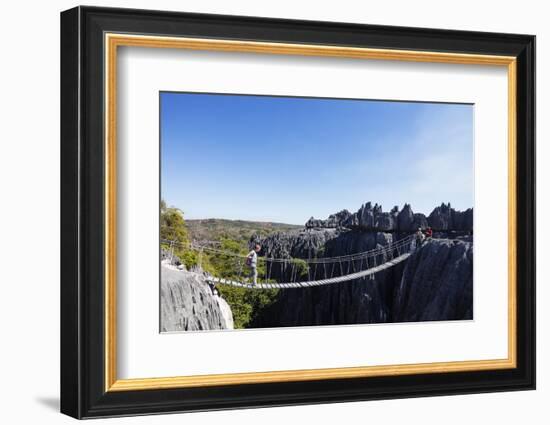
114, 41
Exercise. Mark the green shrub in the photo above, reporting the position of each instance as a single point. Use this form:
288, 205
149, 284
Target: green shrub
301, 268
246, 304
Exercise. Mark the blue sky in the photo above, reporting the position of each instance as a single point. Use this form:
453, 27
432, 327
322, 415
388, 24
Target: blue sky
286, 159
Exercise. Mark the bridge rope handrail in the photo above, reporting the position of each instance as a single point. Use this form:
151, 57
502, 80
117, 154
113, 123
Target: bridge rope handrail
380, 250
309, 283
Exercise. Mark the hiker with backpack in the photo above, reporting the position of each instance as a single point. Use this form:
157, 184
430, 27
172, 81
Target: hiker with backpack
251, 261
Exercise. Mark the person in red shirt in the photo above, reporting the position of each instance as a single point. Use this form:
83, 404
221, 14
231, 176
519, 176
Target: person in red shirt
429, 232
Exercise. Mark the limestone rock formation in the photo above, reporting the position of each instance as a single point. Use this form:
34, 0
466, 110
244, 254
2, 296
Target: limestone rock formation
445, 218
306, 243
189, 304
420, 220
372, 218
405, 219
333, 220
435, 283
168, 257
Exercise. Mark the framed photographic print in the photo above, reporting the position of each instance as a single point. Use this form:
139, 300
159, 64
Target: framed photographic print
262, 212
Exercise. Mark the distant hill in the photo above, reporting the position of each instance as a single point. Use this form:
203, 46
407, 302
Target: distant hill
215, 229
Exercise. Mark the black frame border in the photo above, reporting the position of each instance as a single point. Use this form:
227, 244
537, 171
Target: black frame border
82, 212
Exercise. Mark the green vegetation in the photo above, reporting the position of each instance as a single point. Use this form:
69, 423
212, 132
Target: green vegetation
172, 225
301, 268
216, 229
232, 236
173, 228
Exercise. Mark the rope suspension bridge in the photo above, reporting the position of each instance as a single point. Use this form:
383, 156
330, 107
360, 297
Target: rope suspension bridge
306, 272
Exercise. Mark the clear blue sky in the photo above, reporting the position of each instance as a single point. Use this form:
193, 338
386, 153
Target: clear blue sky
286, 159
